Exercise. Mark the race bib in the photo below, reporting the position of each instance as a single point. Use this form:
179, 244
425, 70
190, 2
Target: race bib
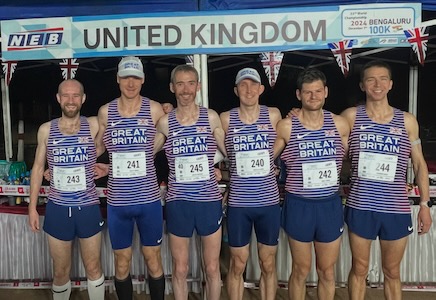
381, 167
69, 179
192, 168
252, 163
320, 174
128, 164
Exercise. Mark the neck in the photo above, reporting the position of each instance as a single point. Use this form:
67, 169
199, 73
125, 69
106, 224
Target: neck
312, 119
249, 114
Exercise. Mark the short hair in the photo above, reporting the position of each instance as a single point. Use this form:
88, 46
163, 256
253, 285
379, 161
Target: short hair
310, 75
183, 68
61, 85
375, 63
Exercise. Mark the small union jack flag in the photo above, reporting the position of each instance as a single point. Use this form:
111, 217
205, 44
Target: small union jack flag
69, 67
83, 139
189, 59
342, 52
201, 129
271, 62
142, 122
395, 130
329, 133
262, 127
8, 70
418, 39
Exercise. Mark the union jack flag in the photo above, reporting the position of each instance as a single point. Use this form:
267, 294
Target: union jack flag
201, 129
69, 67
342, 52
271, 62
329, 133
395, 130
142, 122
418, 39
189, 59
83, 139
262, 127
8, 70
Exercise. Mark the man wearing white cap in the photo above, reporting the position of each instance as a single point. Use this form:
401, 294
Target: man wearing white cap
127, 130
254, 197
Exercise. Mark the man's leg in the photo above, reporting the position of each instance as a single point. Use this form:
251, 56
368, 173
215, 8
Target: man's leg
326, 257
301, 263
123, 281
60, 252
392, 254
268, 277
211, 256
156, 278
90, 252
180, 252
360, 250
234, 280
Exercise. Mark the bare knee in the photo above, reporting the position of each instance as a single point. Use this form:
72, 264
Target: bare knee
326, 274
391, 273
237, 265
268, 266
93, 269
360, 267
212, 270
180, 270
154, 263
122, 266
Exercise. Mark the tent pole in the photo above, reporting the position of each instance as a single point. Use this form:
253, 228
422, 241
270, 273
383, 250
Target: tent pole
6, 120
204, 80
413, 108
197, 65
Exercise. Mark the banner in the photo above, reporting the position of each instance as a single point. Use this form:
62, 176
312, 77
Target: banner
217, 32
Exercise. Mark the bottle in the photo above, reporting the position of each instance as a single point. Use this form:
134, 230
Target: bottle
11, 199
18, 199
163, 192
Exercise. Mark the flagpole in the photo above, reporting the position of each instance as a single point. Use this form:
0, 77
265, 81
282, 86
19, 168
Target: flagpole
6, 120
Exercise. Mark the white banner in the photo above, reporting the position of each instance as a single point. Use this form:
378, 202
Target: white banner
284, 29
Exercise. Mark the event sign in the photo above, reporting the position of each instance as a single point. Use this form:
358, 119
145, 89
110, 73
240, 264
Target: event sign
218, 32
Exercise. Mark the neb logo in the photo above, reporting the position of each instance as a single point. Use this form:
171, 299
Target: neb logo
34, 39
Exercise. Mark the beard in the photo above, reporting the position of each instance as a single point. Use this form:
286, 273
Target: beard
70, 113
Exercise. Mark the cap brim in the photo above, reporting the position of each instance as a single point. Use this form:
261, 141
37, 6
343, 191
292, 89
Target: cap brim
127, 73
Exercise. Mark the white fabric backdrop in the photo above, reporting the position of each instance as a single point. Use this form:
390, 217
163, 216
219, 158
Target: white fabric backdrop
418, 265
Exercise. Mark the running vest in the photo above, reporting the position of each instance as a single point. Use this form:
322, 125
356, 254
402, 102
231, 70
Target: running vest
190, 151
129, 141
71, 161
313, 159
250, 151
379, 156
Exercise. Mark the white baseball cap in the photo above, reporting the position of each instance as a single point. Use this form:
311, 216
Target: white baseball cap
130, 66
247, 73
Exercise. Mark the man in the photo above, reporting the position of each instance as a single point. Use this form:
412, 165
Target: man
190, 135
127, 129
316, 141
254, 196
382, 140
73, 209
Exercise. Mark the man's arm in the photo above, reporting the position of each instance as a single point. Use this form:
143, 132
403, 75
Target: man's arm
217, 130
161, 134
156, 111
421, 173
37, 174
284, 128
274, 116
102, 125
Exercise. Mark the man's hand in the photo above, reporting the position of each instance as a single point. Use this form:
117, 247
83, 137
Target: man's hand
33, 219
424, 219
295, 111
47, 175
100, 170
